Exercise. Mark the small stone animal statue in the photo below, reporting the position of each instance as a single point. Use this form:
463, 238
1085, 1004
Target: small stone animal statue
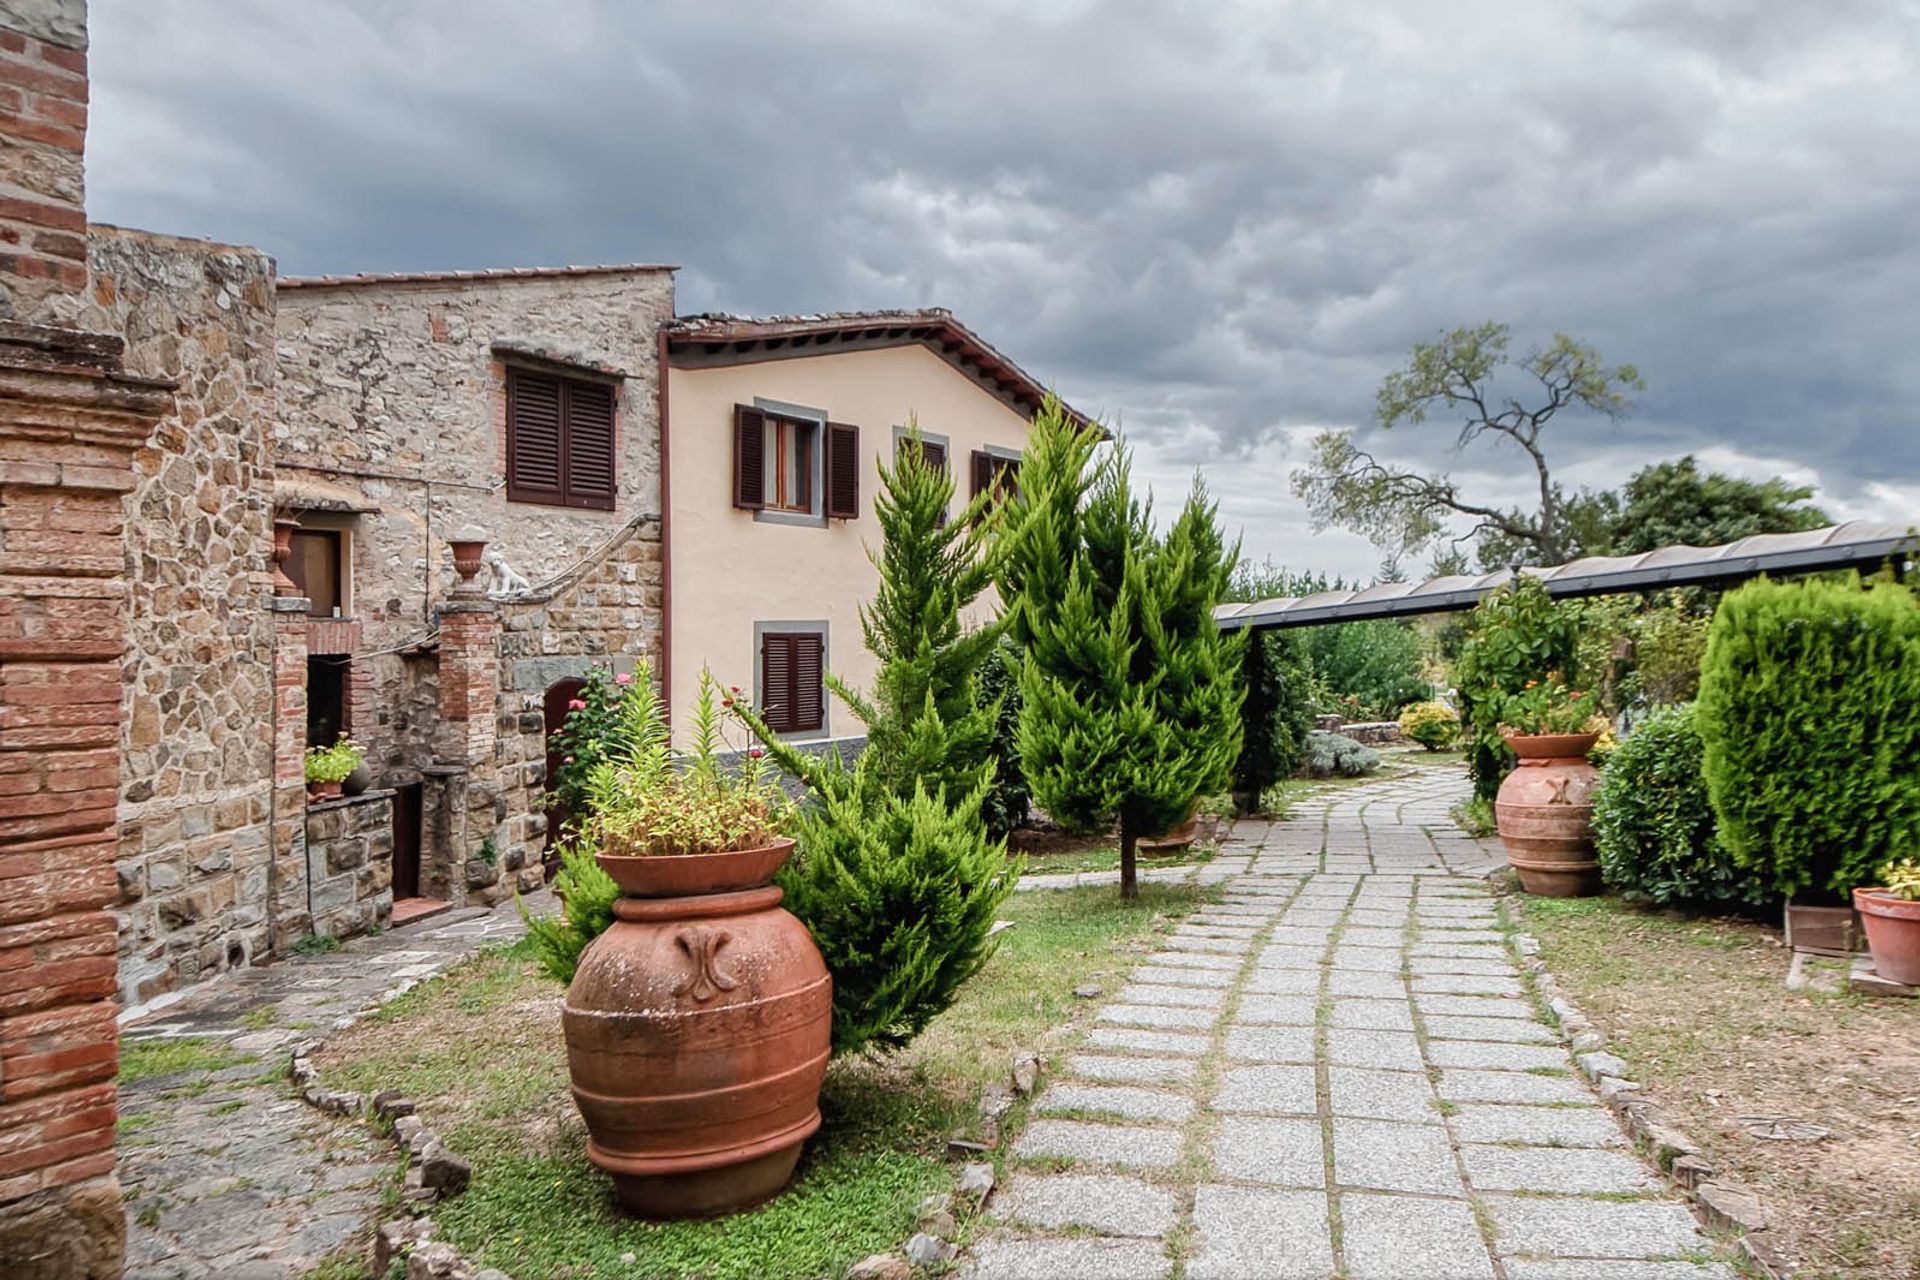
505, 582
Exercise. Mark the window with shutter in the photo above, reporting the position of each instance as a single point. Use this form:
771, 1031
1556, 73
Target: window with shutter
792, 681
843, 471
749, 458
995, 473
776, 458
560, 440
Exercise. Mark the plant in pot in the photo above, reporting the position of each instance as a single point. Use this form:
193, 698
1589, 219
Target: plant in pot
698, 1024
1544, 809
328, 767
1891, 913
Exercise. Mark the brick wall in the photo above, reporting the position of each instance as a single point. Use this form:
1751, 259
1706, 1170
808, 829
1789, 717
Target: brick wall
43, 127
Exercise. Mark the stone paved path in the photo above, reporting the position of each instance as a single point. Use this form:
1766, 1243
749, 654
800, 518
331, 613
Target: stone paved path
230, 1177
1334, 1071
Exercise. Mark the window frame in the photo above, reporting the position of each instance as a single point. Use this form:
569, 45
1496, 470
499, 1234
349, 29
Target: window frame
342, 571
816, 626
815, 517
567, 381
901, 435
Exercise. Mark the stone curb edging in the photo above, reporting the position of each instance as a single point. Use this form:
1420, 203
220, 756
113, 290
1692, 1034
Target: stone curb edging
433, 1172
1718, 1201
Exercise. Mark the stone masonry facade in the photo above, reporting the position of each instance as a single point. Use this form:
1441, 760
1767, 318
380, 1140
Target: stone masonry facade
196, 791
392, 399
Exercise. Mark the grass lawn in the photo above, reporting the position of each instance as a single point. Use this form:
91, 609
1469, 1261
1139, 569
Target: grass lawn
480, 1050
1697, 1006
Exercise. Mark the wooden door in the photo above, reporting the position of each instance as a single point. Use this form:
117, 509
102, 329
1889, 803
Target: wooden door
406, 842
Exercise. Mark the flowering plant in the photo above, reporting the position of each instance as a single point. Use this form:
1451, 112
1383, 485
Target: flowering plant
1902, 879
588, 737
334, 763
1548, 706
647, 800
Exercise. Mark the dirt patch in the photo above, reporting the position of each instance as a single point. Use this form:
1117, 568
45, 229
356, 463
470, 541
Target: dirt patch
1700, 1009
1047, 841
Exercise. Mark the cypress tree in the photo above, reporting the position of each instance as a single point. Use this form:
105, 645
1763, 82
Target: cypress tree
896, 876
1130, 702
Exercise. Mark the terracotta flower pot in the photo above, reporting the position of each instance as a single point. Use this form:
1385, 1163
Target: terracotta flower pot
698, 1029
1893, 934
1545, 814
1174, 840
323, 790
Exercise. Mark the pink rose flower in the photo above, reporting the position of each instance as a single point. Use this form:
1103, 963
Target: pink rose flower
623, 678
575, 704
755, 753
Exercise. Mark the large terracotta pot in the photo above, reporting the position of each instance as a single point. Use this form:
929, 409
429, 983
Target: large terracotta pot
1545, 814
1175, 839
1893, 934
698, 1029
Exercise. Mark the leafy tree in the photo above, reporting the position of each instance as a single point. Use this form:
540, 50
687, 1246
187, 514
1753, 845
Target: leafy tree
1368, 669
1008, 802
1460, 375
1674, 502
897, 878
1130, 703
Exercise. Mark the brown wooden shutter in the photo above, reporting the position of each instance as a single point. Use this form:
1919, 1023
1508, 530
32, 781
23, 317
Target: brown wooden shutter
776, 681
935, 454
843, 471
982, 472
1009, 478
533, 438
589, 445
809, 698
749, 458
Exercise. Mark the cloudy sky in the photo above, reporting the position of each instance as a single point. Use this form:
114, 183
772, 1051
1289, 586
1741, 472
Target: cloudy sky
1220, 223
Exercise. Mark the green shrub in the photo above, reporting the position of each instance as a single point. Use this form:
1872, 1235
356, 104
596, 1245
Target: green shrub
589, 894
1367, 670
1434, 725
1516, 634
1653, 823
1809, 710
1331, 755
1277, 714
1008, 801
333, 763
588, 737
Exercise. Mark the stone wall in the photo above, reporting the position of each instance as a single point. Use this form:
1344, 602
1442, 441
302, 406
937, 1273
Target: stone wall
196, 790
350, 863
43, 129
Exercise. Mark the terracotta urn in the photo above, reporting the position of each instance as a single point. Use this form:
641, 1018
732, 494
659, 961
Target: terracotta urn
467, 556
1893, 934
323, 790
1545, 814
698, 1029
1173, 840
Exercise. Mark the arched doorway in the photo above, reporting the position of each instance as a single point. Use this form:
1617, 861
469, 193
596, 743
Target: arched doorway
559, 820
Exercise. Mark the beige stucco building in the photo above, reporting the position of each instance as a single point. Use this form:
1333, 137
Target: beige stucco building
775, 432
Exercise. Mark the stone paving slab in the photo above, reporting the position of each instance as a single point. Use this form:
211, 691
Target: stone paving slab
1388, 1050
1287, 1010
1121, 1145
1503, 1057
1371, 986
1395, 1238
1270, 1044
1183, 1043
1473, 1006
1269, 1089
1358, 1013
1567, 1170
1284, 982
1619, 1269
1468, 1085
1113, 1206
1121, 1100
1448, 1026
1280, 1152
1544, 1126
1196, 960
1164, 1017
1081, 1258
1172, 975
1384, 1155
1093, 1066
1575, 1228
1365, 1093
1240, 1232
1186, 997
1491, 984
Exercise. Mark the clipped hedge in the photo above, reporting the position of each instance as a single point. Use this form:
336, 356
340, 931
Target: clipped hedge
1809, 713
1653, 822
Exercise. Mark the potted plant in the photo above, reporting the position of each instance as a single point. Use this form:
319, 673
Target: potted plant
1544, 810
1891, 914
328, 767
698, 1025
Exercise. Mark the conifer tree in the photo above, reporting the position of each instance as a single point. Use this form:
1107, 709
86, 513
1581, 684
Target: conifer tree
1130, 693
896, 876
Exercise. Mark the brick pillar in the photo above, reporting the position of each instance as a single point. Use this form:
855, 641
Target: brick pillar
288, 882
69, 424
469, 691
43, 115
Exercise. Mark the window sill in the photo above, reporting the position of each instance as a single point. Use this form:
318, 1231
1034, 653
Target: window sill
795, 519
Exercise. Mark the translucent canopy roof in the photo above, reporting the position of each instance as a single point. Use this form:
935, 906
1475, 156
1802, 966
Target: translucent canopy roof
1858, 543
